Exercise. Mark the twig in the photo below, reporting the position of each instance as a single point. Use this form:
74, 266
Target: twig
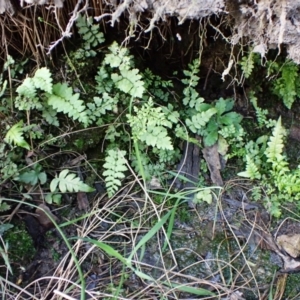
67, 33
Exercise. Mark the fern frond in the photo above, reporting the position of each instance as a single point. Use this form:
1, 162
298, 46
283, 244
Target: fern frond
129, 82
14, 136
247, 65
115, 166
27, 89
149, 126
191, 96
50, 115
90, 32
199, 120
42, 79
252, 171
63, 100
117, 56
276, 143
100, 106
68, 182
285, 86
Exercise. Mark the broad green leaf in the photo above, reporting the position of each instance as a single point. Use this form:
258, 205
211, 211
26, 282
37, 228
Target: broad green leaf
210, 138
221, 106
230, 118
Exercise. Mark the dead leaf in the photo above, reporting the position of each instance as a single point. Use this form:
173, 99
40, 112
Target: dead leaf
236, 296
265, 240
212, 158
82, 201
42, 217
280, 286
290, 244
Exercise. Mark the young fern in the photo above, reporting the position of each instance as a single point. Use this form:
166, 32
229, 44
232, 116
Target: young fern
191, 96
274, 172
27, 98
115, 166
91, 35
261, 114
53, 99
125, 77
276, 145
14, 136
247, 64
69, 182
251, 171
287, 86
63, 100
149, 126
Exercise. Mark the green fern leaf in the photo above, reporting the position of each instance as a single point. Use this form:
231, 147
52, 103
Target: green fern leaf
231, 118
157, 137
221, 106
14, 136
27, 88
129, 82
63, 100
115, 166
42, 79
49, 115
68, 182
25, 103
117, 56
252, 171
247, 65
149, 125
199, 120
276, 144
285, 86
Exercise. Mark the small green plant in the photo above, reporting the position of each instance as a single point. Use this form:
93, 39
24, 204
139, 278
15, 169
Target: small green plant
68, 182
91, 34
268, 164
211, 120
287, 85
14, 136
247, 64
150, 125
261, 114
34, 176
207, 120
115, 168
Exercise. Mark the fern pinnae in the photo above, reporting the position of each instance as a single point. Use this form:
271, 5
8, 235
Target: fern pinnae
115, 166
252, 170
276, 143
69, 182
63, 100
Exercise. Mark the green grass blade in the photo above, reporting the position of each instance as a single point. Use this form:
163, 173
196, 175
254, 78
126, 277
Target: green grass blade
107, 249
189, 289
170, 225
150, 234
